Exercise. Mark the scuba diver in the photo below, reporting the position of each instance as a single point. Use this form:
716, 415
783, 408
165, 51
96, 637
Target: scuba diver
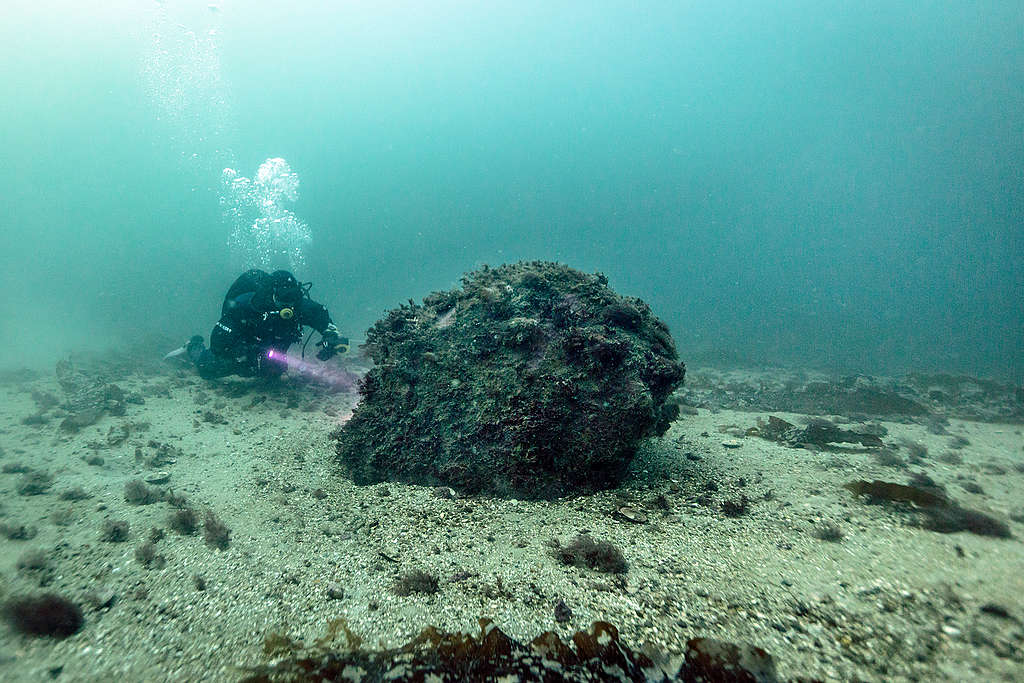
263, 314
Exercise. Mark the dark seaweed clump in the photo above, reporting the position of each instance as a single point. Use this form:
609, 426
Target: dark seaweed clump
43, 615
736, 507
916, 452
114, 531
137, 493
584, 551
215, 532
951, 458
35, 483
562, 612
939, 512
596, 654
17, 532
63, 516
36, 563
184, 521
948, 520
878, 491
415, 581
828, 531
75, 493
147, 556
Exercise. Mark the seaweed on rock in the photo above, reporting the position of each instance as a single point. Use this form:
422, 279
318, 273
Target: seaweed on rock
533, 380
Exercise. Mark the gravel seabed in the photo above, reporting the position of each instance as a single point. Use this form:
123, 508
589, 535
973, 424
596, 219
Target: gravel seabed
887, 602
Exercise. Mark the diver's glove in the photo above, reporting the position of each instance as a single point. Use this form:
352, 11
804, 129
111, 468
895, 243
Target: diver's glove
332, 343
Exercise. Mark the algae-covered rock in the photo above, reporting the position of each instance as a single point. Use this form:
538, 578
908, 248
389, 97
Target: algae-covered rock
532, 380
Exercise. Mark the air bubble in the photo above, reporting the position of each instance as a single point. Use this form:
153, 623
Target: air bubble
265, 234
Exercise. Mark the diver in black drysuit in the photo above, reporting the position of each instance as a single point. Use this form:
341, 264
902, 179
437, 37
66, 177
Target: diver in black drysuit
263, 314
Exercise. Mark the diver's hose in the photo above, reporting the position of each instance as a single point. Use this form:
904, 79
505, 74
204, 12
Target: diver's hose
308, 337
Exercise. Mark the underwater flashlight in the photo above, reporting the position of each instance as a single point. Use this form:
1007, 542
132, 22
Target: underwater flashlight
342, 379
286, 313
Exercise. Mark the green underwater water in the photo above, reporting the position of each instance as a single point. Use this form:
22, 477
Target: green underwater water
829, 184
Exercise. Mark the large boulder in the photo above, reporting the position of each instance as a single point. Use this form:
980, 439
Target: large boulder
533, 380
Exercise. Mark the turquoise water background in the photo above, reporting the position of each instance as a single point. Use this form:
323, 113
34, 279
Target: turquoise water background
829, 184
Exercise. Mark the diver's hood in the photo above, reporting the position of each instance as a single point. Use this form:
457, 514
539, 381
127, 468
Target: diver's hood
286, 289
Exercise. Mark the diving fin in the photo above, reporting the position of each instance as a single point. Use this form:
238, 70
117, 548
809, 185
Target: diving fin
176, 352
196, 342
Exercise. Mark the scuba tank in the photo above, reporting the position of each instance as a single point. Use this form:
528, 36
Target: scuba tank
250, 281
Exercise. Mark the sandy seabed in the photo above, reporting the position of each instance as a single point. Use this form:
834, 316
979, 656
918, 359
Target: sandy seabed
723, 536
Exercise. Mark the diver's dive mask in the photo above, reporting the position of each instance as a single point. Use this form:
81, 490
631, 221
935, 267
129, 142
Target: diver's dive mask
288, 294
288, 297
